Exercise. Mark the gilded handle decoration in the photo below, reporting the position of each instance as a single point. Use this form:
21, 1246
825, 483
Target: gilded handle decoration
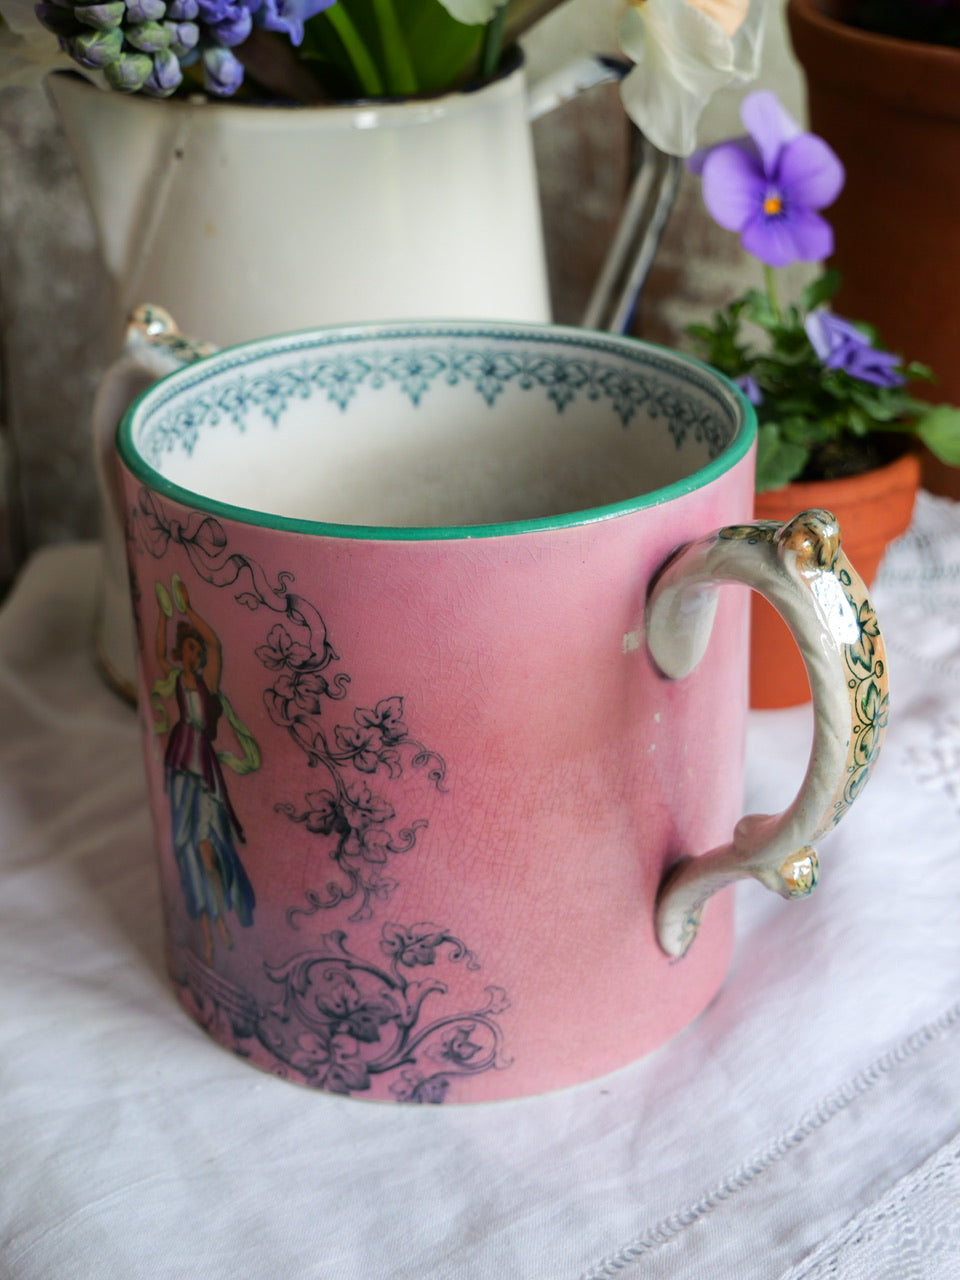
801, 569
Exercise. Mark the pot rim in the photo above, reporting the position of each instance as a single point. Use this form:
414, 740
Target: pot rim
902, 472
923, 78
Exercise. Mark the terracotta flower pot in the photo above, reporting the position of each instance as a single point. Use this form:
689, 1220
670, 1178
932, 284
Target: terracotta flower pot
873, 509
891, 110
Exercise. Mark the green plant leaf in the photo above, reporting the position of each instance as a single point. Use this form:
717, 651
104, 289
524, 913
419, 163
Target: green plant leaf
917, 370
880, 404
400, 75
940, 432
760, 310
443, 50
778, 461
820, 290
803, 428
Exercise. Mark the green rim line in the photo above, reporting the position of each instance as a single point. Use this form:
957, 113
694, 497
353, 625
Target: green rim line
660, 359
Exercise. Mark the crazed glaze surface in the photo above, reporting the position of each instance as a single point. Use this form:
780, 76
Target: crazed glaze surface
469, 773
416, 788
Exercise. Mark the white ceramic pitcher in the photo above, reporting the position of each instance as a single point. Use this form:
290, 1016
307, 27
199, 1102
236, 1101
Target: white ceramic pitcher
243, 221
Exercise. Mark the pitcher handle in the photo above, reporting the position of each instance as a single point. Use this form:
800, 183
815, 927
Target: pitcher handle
575, 77
801, 569
649, 202
153, 346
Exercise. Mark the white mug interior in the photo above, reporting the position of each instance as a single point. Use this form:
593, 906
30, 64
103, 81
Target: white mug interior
435, 425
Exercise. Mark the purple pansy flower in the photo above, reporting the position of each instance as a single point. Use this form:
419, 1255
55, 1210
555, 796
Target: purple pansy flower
841, 345
769, 186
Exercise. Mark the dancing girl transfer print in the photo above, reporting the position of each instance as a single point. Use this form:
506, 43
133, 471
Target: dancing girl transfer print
274, 980
204, 827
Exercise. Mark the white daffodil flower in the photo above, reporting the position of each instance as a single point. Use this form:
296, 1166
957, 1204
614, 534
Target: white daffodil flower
27, 50
472, 12
685, 50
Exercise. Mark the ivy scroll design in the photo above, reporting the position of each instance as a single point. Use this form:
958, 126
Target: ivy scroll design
865, 661
340, 1019
339, 375
360, 825
863, 656
360, 822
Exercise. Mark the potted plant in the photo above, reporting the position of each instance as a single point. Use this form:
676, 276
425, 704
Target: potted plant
883, 88
839, 423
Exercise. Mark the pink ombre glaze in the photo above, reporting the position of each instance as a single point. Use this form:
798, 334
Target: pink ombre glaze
575, 773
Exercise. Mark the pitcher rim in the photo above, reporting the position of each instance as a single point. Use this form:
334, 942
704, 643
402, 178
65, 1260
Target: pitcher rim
254, 111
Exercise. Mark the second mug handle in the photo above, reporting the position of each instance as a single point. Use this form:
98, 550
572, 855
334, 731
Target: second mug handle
153, 347
801, 569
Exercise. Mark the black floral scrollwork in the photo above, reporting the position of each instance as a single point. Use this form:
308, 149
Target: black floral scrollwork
358, 822
340, 1020
357, 819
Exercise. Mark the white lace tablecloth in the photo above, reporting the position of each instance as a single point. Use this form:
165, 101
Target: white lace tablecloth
806, 1127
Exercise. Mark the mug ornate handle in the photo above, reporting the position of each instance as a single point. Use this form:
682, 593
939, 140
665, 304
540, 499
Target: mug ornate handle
800, 568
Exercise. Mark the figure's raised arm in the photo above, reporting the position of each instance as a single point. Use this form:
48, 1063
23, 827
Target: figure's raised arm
160, 643
214, 663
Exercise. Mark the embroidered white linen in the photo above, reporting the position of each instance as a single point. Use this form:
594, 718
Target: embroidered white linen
807, 1126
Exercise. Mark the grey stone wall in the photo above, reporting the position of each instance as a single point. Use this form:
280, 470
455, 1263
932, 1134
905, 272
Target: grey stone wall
53, 308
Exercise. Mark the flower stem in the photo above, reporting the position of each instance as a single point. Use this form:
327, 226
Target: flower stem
492, 45
523, 15
401, 77
363, 64
770, 284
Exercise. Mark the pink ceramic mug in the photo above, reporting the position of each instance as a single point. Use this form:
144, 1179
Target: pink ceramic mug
433, 731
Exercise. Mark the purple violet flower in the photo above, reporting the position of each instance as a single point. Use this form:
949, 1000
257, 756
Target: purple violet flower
750, 388
841, 345
769, 186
